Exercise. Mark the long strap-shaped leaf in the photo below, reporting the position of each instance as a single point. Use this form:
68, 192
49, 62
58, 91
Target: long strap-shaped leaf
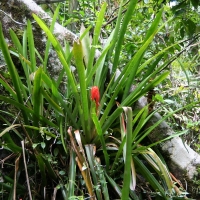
27, 110
127, 153
13, 73
37, 96
60, 54
127, 18
149, 177
101, 137
48, 41
97, 32
158, 165
71, 80
78, 55
135, 61
31, 46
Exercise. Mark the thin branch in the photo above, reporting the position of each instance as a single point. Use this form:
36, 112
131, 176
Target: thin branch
12, 18
54, 193
15, 177
188, 46
26, 171
48, 1
18, 114
117, 9
114, 18
6, 158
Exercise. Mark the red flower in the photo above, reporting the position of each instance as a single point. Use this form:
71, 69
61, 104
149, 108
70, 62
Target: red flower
95, 95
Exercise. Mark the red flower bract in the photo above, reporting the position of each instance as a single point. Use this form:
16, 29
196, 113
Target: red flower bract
95, 95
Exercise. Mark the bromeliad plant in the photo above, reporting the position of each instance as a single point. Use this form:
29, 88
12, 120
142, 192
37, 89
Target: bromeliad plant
90, 125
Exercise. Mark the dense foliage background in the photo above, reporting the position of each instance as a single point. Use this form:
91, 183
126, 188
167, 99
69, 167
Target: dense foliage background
89, 141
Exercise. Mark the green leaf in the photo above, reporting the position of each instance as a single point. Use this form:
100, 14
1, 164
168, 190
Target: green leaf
59, 52
37, 96
143, 88
72, 175
102, 179
195, 3
41, 165
62, 136
35, 145
127, 153
31, 46
101, 71
9, 143
49, 169
9, 128
153, 29
27, 110
119, 152
99, 67
48, 44
159, 167
101, 137
190, 26
85, 40
91, 159
55, 106
43, 145
97, 31
143, 113
13, 73
148, 131
156, 81
16, 42
71, 79
149, 177
111, 119
133, 65
8, 88
78, 56
114, 185
127, 18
